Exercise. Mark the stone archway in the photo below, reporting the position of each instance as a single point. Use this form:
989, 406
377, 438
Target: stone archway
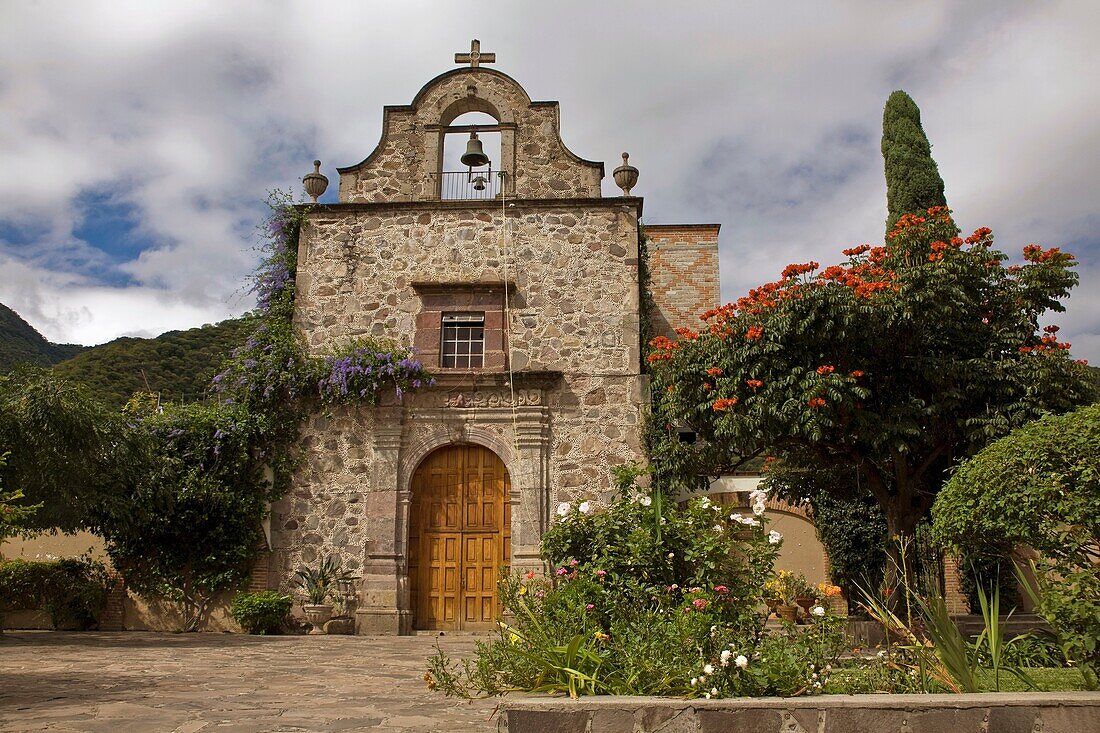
459, 537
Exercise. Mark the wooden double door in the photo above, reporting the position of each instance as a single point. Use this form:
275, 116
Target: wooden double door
459, 537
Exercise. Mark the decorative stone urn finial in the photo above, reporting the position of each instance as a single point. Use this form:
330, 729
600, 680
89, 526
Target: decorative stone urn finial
626, 175
316, 182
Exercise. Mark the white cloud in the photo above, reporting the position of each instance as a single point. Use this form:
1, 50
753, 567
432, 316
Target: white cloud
762, 116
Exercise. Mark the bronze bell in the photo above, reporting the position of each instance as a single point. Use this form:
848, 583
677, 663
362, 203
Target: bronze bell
479, 183
475, 156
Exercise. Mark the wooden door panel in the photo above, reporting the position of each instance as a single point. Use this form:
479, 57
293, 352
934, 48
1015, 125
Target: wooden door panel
460, 521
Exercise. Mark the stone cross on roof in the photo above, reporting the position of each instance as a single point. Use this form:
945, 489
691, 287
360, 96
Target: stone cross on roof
475, 57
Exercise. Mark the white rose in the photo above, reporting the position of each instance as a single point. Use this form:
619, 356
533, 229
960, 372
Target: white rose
742, 661
584, 508
563, 508
646, 501
704, 502
708, 669
718, 528
694, 681
724, 657
818, 611
750, 522
758, 508
735, 517
757, 495
774, 537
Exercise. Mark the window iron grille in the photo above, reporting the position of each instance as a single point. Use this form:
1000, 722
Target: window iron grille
463, 341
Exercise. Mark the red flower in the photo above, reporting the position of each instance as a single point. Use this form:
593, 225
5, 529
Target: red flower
979, 234
714, 372
857, 250
825, 369
817, 402
795, 270
754, 333
1050, 329
724, 404
754, 383
856, 373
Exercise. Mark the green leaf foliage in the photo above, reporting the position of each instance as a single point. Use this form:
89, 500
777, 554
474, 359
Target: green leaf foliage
895, 363
20, 343
73, 591
1039, 485
204, 496
849, 522
261, 613
913, 182
68, 452
177, 365
628, 609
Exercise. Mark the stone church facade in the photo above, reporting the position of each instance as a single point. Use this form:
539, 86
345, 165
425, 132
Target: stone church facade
424, 495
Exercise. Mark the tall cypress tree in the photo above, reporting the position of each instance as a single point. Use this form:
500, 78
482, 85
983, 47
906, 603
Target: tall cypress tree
913, 182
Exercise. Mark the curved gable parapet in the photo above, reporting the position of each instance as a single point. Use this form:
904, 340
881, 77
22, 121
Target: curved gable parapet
405, 164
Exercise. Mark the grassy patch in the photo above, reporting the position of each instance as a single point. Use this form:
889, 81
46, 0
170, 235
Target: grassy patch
862, 680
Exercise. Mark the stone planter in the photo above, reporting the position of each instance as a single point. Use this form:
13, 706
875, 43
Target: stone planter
991, 712
317, 616
787, 613
340, 625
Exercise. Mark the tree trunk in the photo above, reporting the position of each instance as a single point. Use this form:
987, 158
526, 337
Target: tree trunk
900, 577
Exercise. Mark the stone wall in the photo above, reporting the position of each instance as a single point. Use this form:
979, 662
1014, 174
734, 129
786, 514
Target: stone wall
405, 164
1048, 712
572, 270
683, 272
564, 409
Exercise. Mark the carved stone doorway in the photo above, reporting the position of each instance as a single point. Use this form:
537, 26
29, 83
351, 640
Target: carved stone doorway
459, 538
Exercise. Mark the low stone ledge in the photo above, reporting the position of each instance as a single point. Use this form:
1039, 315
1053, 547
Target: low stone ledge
1030, 712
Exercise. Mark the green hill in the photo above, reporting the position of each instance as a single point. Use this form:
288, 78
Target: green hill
178, 364
21, 344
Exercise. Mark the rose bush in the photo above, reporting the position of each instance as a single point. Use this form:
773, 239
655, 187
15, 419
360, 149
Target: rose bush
641, 596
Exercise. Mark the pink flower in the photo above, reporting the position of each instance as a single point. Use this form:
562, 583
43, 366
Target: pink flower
700, 603
562, 571
673, 587
589, 606
540, 594
721, 589
601, 573
574, 563
696, 589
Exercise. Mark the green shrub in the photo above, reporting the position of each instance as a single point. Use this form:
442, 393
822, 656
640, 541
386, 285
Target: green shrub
72, 591
261, 613
647, 600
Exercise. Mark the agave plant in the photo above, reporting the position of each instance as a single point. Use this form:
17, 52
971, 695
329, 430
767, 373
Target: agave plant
320, 583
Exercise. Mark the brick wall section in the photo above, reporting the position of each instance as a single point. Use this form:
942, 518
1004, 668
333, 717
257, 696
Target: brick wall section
683, 272
114, 613
952, 587
260, 572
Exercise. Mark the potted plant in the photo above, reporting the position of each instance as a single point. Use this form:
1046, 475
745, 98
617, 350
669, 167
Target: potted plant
793, 591
319, 584
772, 595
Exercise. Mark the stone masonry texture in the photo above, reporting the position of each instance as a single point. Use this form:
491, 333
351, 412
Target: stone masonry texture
1056, 712
554, 268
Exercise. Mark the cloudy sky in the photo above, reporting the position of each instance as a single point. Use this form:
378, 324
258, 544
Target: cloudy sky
138, 141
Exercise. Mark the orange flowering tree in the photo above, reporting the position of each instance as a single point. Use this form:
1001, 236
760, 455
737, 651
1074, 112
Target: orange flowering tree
892, 365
